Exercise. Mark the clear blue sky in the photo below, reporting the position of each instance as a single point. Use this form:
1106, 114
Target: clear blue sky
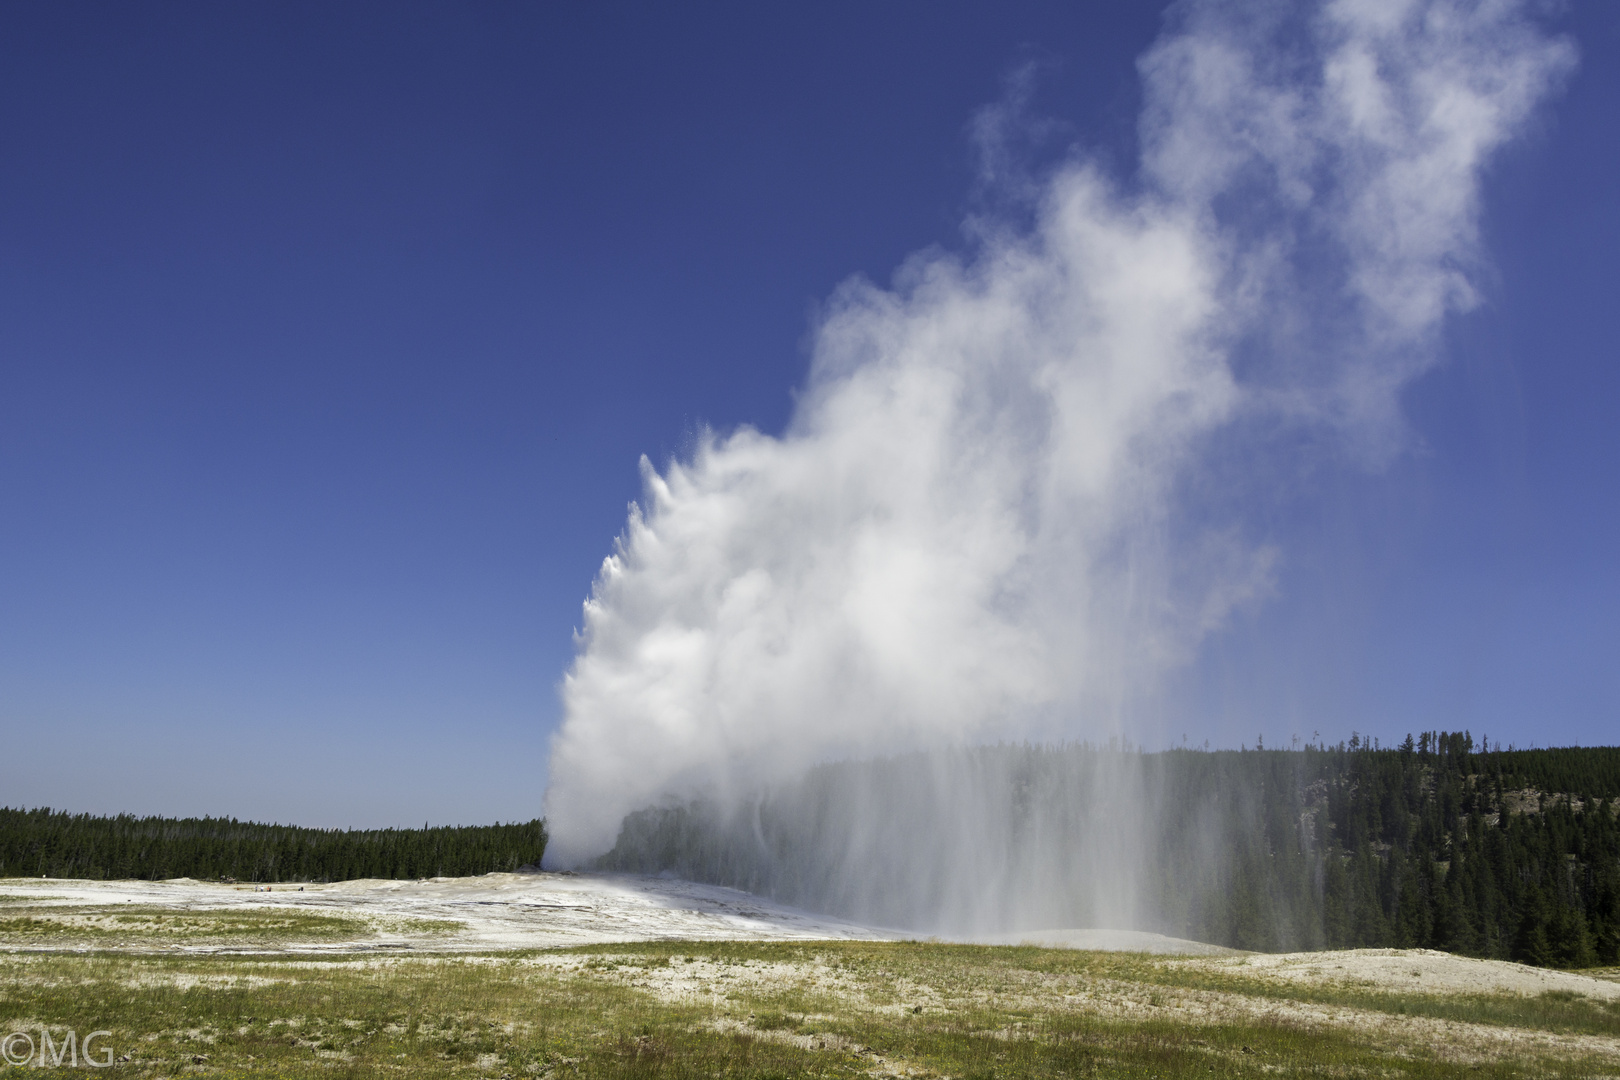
330, 336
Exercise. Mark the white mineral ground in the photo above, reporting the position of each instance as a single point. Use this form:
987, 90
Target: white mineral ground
496, 911
529, 911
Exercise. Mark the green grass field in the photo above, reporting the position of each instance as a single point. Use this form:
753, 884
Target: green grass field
681, 1009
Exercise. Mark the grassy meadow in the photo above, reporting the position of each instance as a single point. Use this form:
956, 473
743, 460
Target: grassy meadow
742, 1009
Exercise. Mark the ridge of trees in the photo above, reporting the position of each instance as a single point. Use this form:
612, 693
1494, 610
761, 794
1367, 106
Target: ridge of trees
1435, 843
53, 843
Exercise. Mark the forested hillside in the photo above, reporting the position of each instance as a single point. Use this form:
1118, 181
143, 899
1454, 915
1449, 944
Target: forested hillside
1507, 854
35, 843
1503, 854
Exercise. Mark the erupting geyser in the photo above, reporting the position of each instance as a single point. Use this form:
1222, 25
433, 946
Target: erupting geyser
977, 526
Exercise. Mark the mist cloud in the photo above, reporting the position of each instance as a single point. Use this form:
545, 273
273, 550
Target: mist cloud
976, 525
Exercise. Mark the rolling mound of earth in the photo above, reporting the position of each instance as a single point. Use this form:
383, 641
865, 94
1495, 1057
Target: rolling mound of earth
1418, 970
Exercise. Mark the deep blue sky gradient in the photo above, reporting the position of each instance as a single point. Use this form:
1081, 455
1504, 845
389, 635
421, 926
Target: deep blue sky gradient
330, 336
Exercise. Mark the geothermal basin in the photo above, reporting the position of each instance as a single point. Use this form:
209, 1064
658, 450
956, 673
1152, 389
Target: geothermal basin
522, 911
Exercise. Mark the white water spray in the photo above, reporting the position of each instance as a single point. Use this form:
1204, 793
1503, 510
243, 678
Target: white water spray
992, 517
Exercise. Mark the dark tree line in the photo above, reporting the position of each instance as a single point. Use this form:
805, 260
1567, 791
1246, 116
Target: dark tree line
52, 843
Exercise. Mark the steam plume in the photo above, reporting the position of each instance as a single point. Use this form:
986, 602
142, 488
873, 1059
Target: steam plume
980, 524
